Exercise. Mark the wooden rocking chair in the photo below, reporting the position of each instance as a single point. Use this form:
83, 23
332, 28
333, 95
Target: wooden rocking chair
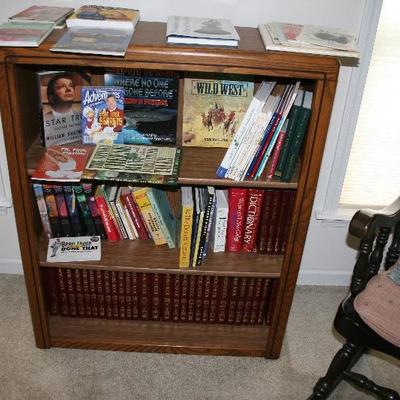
369, 317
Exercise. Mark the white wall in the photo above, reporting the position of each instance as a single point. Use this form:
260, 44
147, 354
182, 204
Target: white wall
327, 258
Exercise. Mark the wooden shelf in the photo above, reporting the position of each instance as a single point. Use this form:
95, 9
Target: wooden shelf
161, 337
197, 168
144, 256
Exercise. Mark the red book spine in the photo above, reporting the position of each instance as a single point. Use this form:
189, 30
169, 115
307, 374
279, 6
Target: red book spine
241, 301
93, 294
62, 290
50, 281
86, 292
167, 297
199, 298
100, 294
176, 298
272, 300
255, 305
287, 224
71, 293
264, 221
108, 223
184, 298
192, 298
128, 295
248, 301
144, 296
253, 213
79, 293
273, 222
223, 301
282, 221
233, 301
140, 219
127, 201
107, 295
135, 295
121, 295
155, 297
275, 154
206, 300
264, 301
114, 294
214, 299
236, 218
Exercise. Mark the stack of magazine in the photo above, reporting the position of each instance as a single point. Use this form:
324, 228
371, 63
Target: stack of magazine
311, 39
99, 30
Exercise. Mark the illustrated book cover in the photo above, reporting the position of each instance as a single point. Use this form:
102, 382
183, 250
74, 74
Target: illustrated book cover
104, 41
66, 249
102, 114
207, 31
49, 14
213, 110
93, 16
134, 163
60, 94
24, 34
150, 106
63, 163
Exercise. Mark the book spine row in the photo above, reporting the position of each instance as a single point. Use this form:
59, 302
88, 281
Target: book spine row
160, 297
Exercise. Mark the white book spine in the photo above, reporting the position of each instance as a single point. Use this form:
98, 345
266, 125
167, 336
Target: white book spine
219, 229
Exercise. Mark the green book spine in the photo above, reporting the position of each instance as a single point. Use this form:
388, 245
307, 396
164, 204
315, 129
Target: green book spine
295, 145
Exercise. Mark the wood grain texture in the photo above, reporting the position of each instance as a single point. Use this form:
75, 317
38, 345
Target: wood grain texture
165, 337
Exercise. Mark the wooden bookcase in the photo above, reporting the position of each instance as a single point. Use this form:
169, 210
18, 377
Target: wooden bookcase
21, 123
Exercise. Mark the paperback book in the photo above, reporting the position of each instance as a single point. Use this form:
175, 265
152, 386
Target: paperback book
206, 31
102, 114
63, 163
66, 249
213, 109
61, 106
150, 106
47, 14
24, 34
134, 163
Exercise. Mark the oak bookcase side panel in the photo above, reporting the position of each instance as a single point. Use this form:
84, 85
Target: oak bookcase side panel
24, 212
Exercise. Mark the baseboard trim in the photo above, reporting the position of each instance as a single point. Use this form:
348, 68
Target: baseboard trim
324, 277
11, 266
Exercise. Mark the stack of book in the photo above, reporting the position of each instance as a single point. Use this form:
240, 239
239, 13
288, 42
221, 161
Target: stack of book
160, 297
30, 27
233, 220
99, 30
309, 39
265, 131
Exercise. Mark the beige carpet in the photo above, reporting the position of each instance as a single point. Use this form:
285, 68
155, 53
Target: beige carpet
29, 373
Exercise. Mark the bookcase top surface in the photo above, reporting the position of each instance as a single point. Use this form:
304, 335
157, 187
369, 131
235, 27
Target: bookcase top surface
149, 49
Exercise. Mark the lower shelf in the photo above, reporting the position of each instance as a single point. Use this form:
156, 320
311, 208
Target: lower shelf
212, 339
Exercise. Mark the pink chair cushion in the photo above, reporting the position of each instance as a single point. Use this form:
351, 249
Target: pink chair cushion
379, 307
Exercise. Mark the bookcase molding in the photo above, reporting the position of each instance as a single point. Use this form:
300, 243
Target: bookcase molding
18, 67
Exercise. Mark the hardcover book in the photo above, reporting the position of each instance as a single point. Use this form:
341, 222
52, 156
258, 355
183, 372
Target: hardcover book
213, 109
238, 198
207, 31
104, 41
48, 14
61, 105
63, 163
134, 163
150, 106
93, 16
102, 114
24, 34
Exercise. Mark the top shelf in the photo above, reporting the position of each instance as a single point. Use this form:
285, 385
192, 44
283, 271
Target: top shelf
149, 49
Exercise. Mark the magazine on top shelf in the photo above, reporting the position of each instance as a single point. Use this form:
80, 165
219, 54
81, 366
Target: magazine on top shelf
92, 16
63, 163
104, 41
134, 163
150, 105
207, 31
61, 105
48, 14
309, 39
24, 34
102, 114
